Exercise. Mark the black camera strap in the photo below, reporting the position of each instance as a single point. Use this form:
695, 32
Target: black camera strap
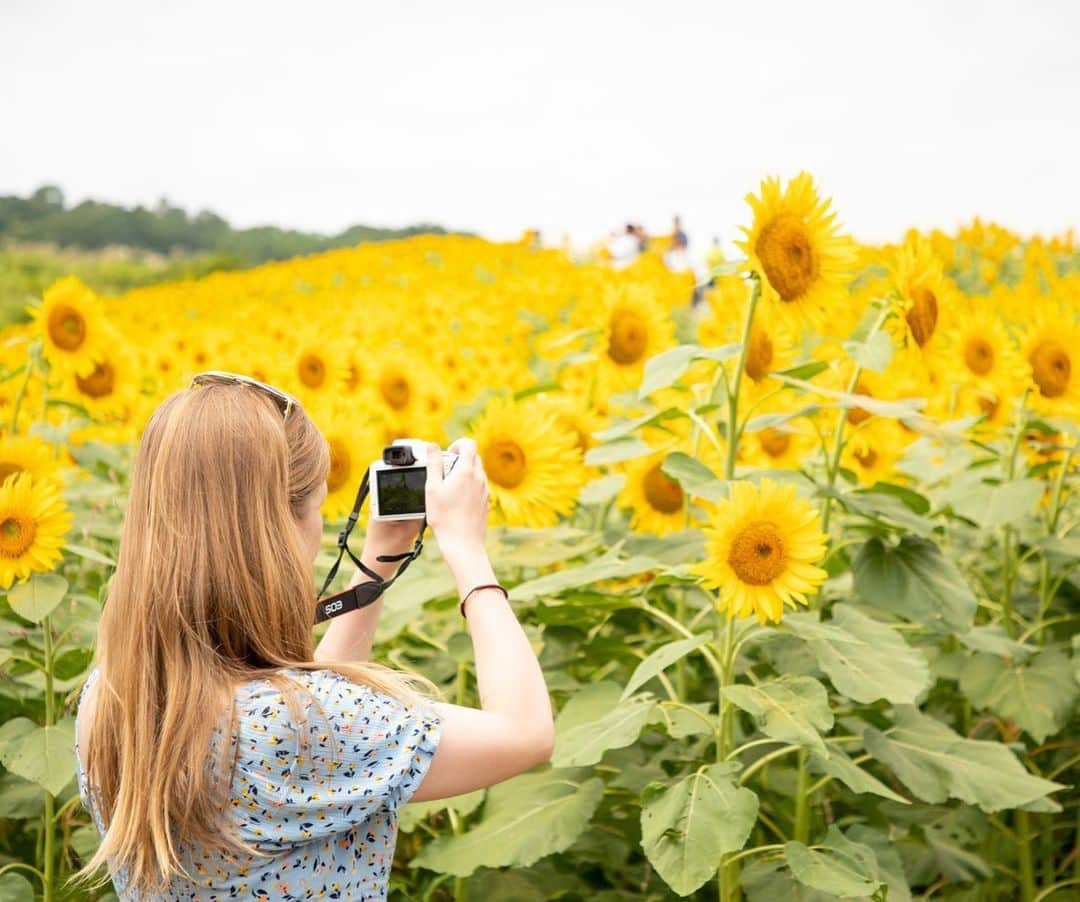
362, 594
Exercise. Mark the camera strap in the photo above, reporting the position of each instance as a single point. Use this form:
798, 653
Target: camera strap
362, 594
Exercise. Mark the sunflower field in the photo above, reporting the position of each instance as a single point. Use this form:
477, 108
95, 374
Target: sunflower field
799, 560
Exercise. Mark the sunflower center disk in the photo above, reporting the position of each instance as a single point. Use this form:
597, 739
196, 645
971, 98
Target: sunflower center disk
629, 338
867, 457
979, 356
312, 370
1051, 368
662, 492
395, 391
16, 536
67, 328
504, 462
759, 355
99, 383
774, 442
923, 315
757, 554
787, 256
340, 465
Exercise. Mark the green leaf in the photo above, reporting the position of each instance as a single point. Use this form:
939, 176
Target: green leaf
839, 766
885, 506
665, 368
838, 866
602, 490
20, 798
992, 638
1038, 694
620, 726
991, 506
804, 371
72, 662
680, 722
16, 888
688, 826
617, 451
791, 709
890, 864
607, 567
1063, 549
873, 354
12, 734
411, 815
625, 428
85, 841
36, 598
90, 554
865, 659
908, 407
694, 477
525, 818
915, 581
46, 756
937, 764
659, 660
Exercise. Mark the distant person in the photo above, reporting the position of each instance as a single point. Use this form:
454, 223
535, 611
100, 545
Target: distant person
676, 257
625, 246
714, 257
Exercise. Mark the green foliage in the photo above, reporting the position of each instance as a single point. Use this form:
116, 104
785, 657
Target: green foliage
165, 229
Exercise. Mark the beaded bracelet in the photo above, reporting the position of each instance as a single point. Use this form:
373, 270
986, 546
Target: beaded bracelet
477, 589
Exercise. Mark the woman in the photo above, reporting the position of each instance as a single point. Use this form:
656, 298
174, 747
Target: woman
221, 755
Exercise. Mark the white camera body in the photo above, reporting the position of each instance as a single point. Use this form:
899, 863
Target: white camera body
398, 481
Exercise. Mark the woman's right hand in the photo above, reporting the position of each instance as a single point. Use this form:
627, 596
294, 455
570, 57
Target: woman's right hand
457, 510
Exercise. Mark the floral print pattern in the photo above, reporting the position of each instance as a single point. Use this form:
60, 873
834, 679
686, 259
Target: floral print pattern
320, 801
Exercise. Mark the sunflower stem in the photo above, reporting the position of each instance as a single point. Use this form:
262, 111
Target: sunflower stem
733, 430
802, 801
1009, 564
48, 826
832, 465
31, 363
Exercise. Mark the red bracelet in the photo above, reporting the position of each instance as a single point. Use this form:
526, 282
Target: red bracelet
477, 589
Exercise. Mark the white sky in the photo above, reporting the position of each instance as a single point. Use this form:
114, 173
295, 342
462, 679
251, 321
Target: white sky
575, 117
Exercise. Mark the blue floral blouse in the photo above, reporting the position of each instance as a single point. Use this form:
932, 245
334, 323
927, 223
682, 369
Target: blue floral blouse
328, 821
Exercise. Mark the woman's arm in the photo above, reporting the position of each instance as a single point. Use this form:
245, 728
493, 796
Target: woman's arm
349, 636
513, 730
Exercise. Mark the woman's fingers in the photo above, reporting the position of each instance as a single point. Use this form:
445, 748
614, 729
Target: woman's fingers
465, 448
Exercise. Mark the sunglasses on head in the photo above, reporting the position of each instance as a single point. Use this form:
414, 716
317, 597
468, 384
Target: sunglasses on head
285, 401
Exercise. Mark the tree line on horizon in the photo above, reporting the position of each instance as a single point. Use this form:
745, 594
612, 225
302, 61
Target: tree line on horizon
44, 217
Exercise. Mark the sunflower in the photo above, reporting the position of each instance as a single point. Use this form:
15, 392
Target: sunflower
923, 291
317, 367
634, 327
873, 450
72, 326
656, 501
33, 522
109, 389
785, 447
29, 454
533, 464
1051, 347
761, 546
796, 246
353, 446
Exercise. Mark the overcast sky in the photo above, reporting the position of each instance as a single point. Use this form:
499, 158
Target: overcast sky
575, 117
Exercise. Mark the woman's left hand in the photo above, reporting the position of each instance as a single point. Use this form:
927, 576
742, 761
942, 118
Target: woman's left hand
386, 537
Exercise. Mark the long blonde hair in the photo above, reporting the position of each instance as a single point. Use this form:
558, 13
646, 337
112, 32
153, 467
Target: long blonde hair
212, 587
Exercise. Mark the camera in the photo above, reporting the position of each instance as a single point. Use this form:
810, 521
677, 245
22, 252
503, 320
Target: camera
398, 480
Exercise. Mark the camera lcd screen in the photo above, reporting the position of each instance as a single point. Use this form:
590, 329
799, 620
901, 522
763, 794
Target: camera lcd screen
401, 490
